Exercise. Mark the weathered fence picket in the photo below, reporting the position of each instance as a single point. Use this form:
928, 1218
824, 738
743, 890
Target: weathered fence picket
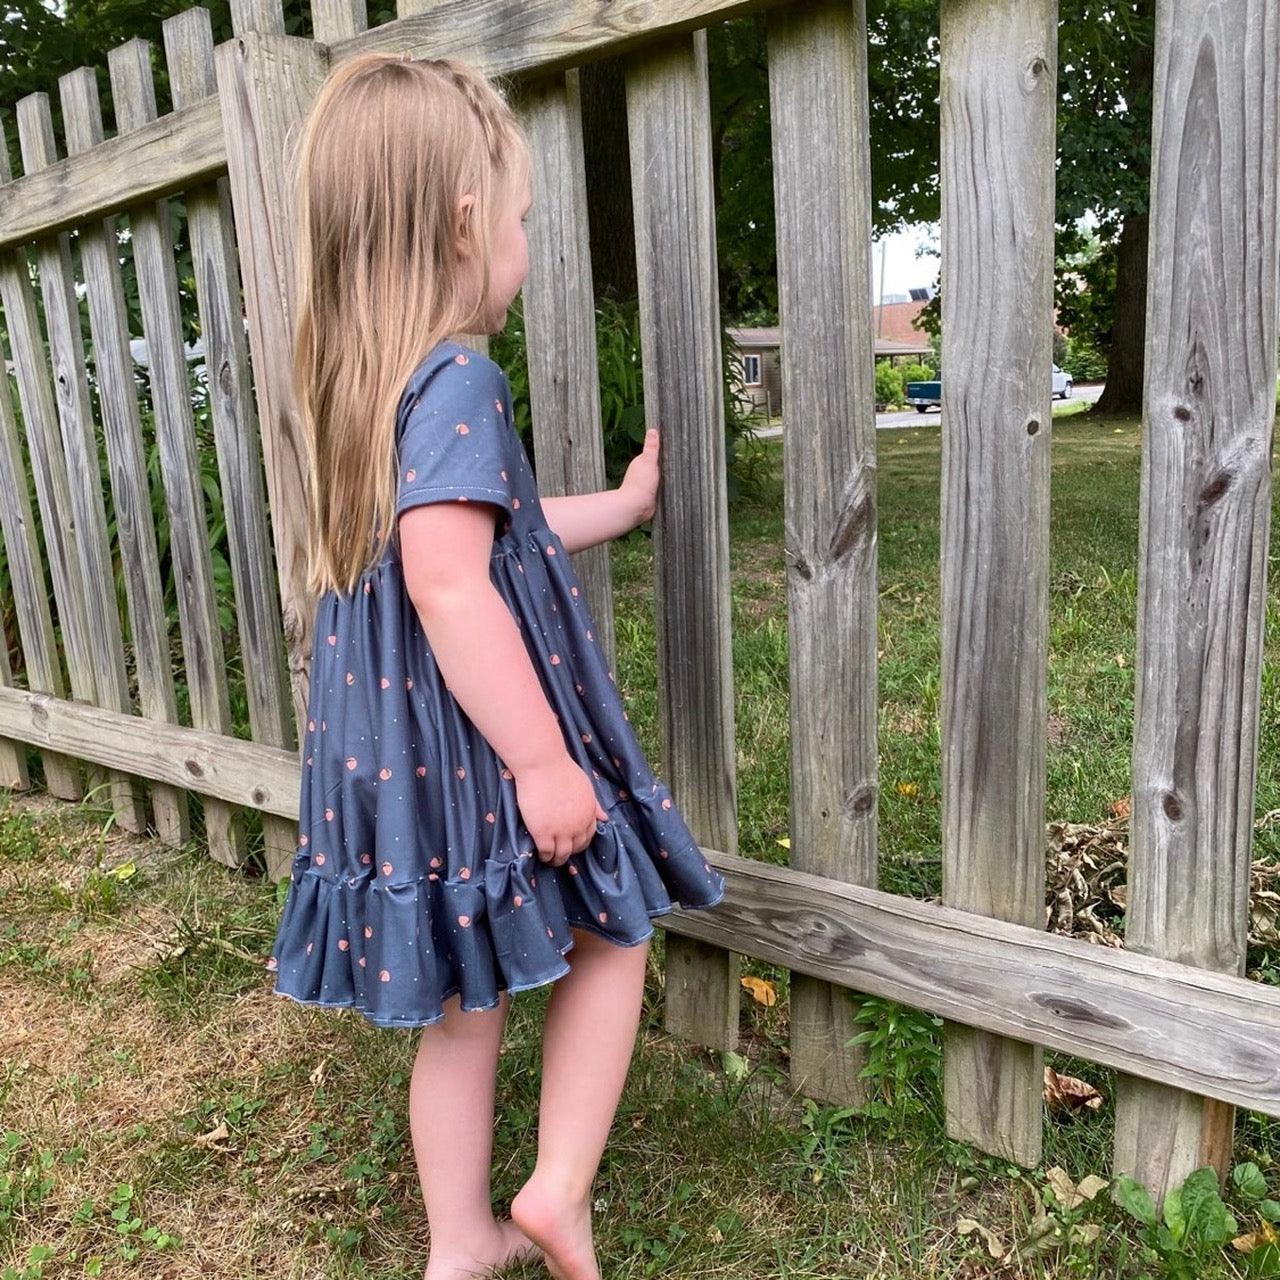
189, 48
998, 97
126, 452
669, 121
982, 961
818, 100
560, 328
30, 594
1206, 507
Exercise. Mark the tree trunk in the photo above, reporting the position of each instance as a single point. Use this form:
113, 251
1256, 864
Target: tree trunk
608, 165
1125, 362
1123, 392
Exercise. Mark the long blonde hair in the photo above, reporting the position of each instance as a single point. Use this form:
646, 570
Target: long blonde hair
389, 152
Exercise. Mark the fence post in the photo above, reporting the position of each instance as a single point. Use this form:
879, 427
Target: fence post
559, 315
266, 83
818, 95
1206, 502
998, 99
668, 116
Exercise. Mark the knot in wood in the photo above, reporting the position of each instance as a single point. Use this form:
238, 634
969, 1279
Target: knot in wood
193, 767
1033, 426
1172, 806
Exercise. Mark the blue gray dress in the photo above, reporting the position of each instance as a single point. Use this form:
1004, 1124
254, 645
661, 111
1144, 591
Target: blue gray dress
415, 877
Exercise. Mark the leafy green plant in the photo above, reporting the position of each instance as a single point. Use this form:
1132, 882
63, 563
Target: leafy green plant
1190, 1229
904, 1055
889, 384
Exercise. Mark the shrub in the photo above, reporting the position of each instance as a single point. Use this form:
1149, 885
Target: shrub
888, 384
1083, 361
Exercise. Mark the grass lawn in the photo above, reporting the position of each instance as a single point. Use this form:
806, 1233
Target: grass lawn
165, 1116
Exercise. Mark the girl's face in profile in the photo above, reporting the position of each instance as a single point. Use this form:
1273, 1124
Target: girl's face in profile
509, 263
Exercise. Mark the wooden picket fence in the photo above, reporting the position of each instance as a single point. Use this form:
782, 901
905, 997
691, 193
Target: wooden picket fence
98, 698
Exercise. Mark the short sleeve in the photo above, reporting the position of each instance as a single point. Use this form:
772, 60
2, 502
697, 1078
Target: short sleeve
454, 438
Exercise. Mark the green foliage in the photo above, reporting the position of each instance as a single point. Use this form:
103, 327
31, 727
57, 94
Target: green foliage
889, 384
904, 1057
1083, 361
914, 371
1193, 1225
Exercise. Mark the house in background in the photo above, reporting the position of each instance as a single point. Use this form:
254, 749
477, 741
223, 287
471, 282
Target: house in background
759, 355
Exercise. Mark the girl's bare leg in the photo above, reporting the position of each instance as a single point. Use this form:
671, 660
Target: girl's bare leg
451, 1121
588, 1039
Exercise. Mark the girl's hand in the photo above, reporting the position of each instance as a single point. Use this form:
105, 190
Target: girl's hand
640, 483
559, 806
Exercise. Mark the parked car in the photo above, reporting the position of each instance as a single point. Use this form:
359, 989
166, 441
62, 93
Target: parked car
928, 395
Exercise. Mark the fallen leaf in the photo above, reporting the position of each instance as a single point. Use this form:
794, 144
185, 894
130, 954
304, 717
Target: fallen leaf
1065, 1095
785, 841
1122, 808
317, 1076
906, 788
762, 991
215, 1136
995, 1246
1256, 1239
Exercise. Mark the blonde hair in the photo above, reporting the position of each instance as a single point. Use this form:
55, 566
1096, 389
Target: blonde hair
389, 152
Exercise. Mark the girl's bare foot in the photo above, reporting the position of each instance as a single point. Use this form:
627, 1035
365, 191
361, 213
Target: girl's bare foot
506, 1245
560, 1228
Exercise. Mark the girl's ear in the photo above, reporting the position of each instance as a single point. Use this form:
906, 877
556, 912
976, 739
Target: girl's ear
462, 230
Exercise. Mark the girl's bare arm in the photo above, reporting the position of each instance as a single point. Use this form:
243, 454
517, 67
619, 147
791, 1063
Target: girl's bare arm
445, 548
588, 519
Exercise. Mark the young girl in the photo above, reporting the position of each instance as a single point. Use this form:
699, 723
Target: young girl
477, 817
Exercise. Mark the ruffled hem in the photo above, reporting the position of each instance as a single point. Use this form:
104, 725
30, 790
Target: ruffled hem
395, 951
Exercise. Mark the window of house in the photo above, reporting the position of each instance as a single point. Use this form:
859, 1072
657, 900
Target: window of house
751, 370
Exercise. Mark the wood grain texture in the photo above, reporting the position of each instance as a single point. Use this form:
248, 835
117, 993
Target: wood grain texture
126, 452
14, 775
560, 323
104, 639
228, 770
668, 117
166, 156
266, 84
333, 20
514, 37
1206, 501
265, 17
998, 99
189, 53
818, 106
169, 378
28, 584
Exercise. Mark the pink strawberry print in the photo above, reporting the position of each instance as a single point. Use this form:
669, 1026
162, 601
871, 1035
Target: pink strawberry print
311, 946
462, 429
460, 358
436, 864
603, 917
573, 591
384, 774
319, 859
311, 726
333, 639
515, 506
555, 659
351, 762
387, 868
351, 678
385, 683
497, 404
551, 551
666, 802
421, 771
304, 841
518, 900
461, 772
408, 685
364, 960
366, 859
586, 737
343, 945
410, 476
384, 976
465, 873
464, 921
573, 870
328, 815
368, 931
490, 818
507, 774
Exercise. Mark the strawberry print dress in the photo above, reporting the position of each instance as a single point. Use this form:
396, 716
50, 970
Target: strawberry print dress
415, 878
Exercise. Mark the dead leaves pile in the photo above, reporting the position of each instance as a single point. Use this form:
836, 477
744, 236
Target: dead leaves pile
1087, 884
